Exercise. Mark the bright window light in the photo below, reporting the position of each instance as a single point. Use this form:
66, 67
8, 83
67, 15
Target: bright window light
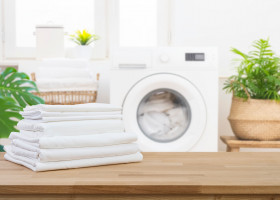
72, 14
138, 23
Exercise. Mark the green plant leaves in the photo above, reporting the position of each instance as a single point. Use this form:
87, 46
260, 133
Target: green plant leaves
258, 72
2, 148
18, 86
83, 37
15, 94
9, 116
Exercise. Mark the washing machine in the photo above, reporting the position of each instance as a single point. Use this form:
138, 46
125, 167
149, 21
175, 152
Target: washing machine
169, 97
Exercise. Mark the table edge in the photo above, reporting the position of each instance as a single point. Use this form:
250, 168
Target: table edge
138, 189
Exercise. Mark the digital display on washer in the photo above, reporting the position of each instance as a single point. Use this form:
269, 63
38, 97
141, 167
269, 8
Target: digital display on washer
194, 57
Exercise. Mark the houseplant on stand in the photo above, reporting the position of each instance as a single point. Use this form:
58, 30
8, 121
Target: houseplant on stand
83, 39
15, 94
255, 109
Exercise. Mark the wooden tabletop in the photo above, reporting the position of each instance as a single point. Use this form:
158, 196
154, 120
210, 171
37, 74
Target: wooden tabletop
159, 173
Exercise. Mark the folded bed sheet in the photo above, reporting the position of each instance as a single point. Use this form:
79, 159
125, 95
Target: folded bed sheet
82, 127
41, 166
89, 107
50, 155
41, 115
60, 142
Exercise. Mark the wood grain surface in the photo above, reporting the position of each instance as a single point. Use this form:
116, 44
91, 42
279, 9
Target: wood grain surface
246, 173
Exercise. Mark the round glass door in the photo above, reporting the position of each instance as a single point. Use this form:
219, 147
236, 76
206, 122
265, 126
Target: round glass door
164, 115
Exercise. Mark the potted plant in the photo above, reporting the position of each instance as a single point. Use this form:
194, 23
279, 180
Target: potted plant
255, 109
83, 39
15, 94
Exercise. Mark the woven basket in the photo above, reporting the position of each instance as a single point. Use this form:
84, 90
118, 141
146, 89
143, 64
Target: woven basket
67, 97
255, 119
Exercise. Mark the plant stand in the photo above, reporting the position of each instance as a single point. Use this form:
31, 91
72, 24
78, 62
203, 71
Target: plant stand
234, 144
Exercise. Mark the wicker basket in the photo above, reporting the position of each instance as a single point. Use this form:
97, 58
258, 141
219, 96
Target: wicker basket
255, 119
67, 97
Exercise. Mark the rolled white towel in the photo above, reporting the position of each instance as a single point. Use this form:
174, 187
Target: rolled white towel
50, 155
82, 127
60, 142
46, 166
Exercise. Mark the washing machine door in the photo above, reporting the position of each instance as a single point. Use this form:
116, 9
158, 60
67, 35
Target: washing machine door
166, 111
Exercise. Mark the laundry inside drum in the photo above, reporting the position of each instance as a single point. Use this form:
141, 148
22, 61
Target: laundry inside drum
164, 115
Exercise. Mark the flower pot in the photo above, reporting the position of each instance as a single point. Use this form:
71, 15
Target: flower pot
255, 119
83, 51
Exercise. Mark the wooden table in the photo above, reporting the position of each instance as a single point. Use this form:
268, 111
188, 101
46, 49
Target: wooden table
234, 144
160, 176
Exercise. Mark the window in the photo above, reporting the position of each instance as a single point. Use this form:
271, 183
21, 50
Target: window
132, 23
51, 12
143, 23
21, 20
138, 23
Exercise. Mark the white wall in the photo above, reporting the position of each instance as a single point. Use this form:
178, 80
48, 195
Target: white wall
225, 24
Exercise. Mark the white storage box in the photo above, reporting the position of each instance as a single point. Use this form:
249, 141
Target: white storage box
49, 41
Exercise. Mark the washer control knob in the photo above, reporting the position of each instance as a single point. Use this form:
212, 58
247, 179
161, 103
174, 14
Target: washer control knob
164, 58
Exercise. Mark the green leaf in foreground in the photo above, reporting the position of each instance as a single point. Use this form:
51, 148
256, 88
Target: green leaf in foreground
9, 116
2, 148
18, 86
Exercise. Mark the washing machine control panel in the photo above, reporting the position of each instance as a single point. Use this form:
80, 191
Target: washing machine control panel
185, 58
166, 58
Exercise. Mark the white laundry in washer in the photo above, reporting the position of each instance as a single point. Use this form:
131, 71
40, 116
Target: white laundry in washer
169, 96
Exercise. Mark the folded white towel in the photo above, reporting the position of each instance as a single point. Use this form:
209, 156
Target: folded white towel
58, 142
42, 114
61, 73
66, 84
77, 118
80, 118
89, 107
35, 147
28, 136
65, 63
82, 127
48, 155
40, 166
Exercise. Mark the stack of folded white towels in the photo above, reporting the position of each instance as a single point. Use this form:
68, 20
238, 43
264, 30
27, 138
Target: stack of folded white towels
65, 75
56, 137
